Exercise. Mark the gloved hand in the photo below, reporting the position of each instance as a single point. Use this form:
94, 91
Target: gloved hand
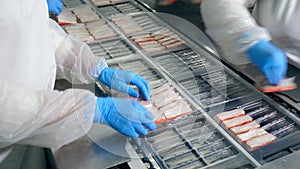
55, 6
126, 116
270, 60
119, 80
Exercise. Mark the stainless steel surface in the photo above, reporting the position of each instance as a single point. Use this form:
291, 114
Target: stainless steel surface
290, 161
135, 161
102, 147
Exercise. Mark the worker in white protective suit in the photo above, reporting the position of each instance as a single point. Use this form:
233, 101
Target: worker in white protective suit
34, 50
266, 41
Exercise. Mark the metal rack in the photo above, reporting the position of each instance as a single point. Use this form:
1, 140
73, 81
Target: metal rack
198, 140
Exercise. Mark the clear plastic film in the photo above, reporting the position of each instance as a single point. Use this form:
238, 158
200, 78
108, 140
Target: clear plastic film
75, 60
43, 118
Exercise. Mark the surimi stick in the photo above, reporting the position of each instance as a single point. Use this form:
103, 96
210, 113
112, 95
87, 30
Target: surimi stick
173, 45
230, 114
284, 85
244, 128
143, 39
66, 17
153, 49
238, 121
260, 141
251, 134
178, 111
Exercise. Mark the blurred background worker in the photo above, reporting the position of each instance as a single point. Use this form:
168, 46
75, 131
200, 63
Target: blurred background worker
34, 51
276, 28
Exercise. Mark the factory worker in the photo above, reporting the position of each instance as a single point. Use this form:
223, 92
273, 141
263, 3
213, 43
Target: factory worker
34, 51
266, 39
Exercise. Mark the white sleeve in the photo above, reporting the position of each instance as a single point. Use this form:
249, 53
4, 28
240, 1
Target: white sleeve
43, 118
75, 60
230, 24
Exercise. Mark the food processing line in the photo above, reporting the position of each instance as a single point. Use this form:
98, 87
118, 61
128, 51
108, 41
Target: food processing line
207, 114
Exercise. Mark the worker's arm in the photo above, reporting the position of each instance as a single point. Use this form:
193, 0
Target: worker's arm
75, 61
230, 24
43, 118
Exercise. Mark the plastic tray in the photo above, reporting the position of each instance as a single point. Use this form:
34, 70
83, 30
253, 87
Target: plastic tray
113, 10
73, 3
113, 50
192, 142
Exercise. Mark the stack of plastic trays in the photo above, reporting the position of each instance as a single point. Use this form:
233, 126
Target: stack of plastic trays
111, 11
192, 142
113, 49
72, 3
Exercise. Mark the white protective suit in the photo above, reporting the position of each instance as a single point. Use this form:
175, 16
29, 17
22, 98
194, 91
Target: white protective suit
33, 51
233, 28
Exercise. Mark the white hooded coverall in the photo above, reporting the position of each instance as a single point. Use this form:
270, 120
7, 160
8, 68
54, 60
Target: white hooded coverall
33, 51
233, 28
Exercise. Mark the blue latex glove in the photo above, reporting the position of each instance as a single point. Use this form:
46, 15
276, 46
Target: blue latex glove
55, 6
126, 116
119, 80
270, 60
